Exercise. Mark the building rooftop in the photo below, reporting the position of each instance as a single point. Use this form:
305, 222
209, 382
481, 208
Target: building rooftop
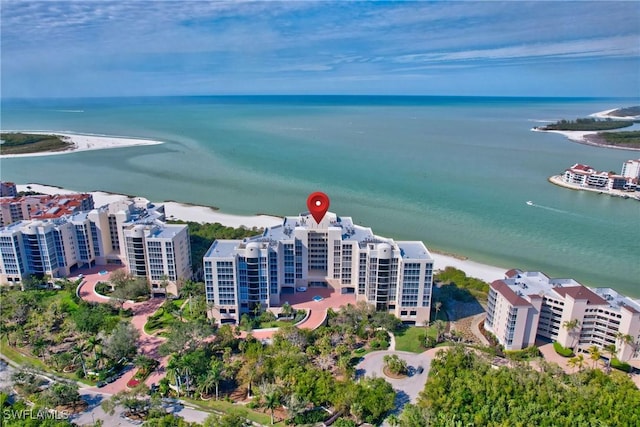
285, 232
514, 296
223, 248
535, 284
414, 250
614, 298
166, 231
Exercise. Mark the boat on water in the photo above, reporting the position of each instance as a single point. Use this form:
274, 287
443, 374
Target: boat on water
529, 202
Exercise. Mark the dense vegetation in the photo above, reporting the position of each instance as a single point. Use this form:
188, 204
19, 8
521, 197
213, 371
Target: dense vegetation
630, 139
56, 331
455, 285
18, 413
465, 389
201, 237
588, 124
302, 369
625, 112
22, 143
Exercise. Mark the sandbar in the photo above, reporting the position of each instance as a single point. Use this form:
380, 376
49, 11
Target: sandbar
84, 142
205, 214
606, 114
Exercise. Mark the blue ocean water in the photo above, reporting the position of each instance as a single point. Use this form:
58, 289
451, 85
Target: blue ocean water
454, 172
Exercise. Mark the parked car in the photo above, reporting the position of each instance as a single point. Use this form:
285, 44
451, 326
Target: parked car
420, 369
101, 384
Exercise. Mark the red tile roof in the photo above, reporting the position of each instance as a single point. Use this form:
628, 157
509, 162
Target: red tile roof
512, 273
514, 299
40, 206
581, 167
581, 293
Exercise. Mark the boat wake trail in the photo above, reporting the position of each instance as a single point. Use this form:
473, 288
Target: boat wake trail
548, 208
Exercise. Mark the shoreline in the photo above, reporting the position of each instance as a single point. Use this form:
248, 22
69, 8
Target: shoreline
585, 138
83, 142
557, 180
590, 137
196, 213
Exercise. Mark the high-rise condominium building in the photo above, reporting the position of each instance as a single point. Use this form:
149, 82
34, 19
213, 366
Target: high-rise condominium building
300, 254
129, 233
529, 305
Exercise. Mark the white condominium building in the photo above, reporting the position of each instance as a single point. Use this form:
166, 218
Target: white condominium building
14, 209
586, 176
300, 253
631, 169
526, 305
130, 233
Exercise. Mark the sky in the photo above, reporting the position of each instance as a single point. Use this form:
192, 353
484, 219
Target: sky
457, 48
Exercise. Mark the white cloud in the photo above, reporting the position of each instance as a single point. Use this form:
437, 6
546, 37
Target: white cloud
606, 47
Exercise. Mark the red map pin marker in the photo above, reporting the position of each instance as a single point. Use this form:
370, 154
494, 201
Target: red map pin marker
318, 204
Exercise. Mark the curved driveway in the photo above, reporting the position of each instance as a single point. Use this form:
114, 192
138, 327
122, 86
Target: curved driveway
408, 388
148, 344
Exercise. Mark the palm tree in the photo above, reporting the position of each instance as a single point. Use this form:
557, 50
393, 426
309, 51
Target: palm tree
78, 352
174, 367
39, 346
611, 351
251, 371
286, 309
271, 397
580, 361
577, 361
571, 326
186, 372
101, 359
440, 327
622, 340
92, 346
594, 354
208, 384
164, 283
438, 306
216, 373
144, 363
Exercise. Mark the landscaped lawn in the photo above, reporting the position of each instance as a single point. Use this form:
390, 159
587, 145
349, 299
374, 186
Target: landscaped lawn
162, 318
412, 338
224, 407
18, 357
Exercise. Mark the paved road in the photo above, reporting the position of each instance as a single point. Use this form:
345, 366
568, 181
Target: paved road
95, 412
141, 311
408, 388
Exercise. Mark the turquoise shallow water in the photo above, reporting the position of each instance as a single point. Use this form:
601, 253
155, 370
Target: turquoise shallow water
454, 172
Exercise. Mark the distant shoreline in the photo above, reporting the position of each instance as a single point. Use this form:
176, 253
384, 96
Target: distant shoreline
205, 214
82, 142
592, 137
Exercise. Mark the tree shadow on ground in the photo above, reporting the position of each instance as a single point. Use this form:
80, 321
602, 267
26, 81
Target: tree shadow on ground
401, 399
458, 302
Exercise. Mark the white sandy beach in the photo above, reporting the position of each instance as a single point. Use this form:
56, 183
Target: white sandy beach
579, 136
84, 142
573, 135
174, 210
606, 114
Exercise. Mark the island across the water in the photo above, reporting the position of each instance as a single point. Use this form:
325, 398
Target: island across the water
36, 143
596, 130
